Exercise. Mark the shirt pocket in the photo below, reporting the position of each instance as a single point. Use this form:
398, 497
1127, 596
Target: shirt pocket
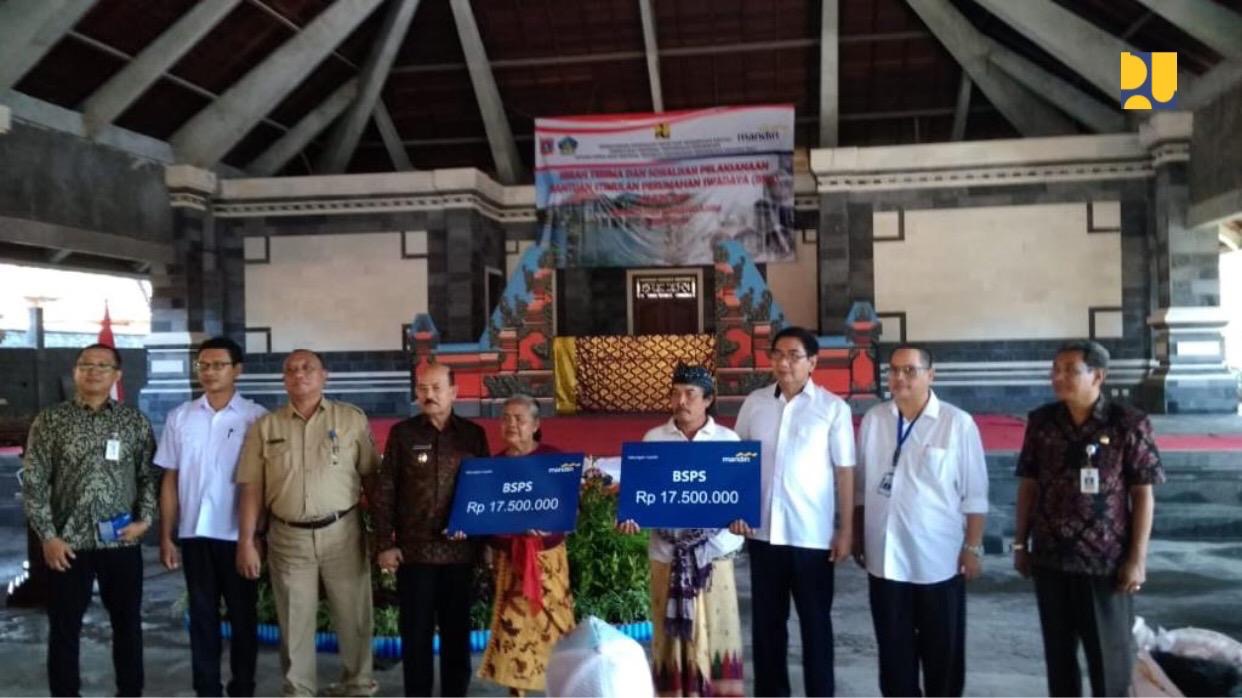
343, 450
278, 455
811, 434
937, 467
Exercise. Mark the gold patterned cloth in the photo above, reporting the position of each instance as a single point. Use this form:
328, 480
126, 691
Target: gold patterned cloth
517, 653
634, 374
710, 662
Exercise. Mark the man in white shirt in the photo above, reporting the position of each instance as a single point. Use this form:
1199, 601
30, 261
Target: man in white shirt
696, 648
198, 451
807, 437
923, 493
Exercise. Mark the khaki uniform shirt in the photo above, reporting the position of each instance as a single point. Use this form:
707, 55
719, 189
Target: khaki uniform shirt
311, 468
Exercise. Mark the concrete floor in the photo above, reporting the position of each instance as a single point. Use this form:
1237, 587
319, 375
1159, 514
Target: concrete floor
1193, 572
1190, 583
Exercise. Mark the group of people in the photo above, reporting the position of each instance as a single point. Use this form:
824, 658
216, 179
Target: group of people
244, 489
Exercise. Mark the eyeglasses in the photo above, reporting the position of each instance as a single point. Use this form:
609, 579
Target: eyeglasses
95, 368
907, 371
778, 356
204, 366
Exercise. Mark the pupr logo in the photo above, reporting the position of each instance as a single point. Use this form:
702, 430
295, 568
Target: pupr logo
1148, 80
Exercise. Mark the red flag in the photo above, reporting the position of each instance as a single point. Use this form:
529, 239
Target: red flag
106, 339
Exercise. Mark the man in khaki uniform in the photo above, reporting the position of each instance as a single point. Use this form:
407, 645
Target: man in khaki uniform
302, 467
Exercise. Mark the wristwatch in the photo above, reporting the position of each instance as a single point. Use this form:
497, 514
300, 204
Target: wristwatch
976, 550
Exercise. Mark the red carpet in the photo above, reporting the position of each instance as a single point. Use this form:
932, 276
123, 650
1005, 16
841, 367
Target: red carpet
602, 435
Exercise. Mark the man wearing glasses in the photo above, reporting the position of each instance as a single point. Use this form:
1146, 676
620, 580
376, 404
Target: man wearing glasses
301, 468
89, 491
807, 476
1085, 508
923, 494
199, 448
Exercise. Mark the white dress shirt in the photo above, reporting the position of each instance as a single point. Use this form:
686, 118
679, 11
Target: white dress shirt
802, 439
723, 542
915, 533
203, 446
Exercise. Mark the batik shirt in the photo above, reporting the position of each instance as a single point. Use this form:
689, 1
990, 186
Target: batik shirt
69, 484
1073, 531
411, 493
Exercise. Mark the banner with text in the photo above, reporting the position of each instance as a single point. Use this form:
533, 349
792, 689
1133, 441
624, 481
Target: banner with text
661, 189
697, 484
515, 495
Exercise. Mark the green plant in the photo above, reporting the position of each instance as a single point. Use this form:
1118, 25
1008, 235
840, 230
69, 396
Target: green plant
607, 570
484, 592
387, 621
265, 605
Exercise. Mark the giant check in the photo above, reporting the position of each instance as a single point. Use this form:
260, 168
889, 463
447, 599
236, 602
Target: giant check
515, 495
703, 484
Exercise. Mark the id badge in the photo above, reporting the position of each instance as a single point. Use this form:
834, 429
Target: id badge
423, 452
886, 485
110, 529
1089, 480
112, 451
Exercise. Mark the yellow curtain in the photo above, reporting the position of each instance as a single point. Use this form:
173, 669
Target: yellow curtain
565, 374
634, 374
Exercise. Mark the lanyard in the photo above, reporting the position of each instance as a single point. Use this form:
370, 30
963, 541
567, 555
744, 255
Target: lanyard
902, 435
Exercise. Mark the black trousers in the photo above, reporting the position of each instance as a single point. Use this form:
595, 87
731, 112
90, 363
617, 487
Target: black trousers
431, 596
1085, 608
920, 625
119, 571
778, 572
210, 575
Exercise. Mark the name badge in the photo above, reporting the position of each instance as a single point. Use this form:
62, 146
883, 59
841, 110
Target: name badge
110, 529
1089, 480
112, 451
886, 485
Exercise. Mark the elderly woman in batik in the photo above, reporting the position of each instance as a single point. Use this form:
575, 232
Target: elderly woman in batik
696, 647
532, 607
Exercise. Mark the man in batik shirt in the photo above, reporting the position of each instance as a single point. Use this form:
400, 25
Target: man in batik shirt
89, 490
1084, 516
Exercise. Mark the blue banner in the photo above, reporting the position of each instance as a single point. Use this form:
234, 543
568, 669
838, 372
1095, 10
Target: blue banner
700, 484
515, 495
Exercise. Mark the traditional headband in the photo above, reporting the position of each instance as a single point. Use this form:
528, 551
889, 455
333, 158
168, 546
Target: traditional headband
694, 375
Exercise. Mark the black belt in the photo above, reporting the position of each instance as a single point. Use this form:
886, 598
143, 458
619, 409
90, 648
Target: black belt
317, 523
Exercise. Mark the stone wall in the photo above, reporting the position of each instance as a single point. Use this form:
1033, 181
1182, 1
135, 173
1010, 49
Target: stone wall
998, 252
340, 264
376, 381
31, 380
